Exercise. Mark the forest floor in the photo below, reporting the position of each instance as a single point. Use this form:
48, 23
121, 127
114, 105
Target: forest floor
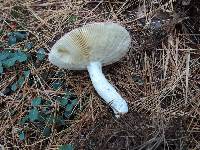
43, 107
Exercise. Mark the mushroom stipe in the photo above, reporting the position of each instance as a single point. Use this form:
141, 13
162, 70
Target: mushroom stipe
91, 47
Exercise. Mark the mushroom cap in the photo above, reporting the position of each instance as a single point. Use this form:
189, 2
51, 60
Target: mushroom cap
104, 42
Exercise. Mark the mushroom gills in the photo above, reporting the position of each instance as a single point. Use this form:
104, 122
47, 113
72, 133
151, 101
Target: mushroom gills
106, 90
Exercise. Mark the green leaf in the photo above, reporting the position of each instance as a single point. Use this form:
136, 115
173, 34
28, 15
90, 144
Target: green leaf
26, 73
29, 45
21, 81
46, 132
72, 18
63, 101
14, 87
50, 119
1, 45
21, 135
20, 35
48, 103
59, 120
74, 102
33, 114
44, 110
9, 62
24, 120
60, 74
1, 32
138, 79
66, 147
68, 110
40, 54
68, 94
12, 40
1, 68
41, 117
69, 107
36, 101
21, 56
56, 85
4, 55
67, 114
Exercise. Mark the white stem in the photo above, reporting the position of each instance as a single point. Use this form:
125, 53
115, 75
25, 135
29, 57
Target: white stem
106, 90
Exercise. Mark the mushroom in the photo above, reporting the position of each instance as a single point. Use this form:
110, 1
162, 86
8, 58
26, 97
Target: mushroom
91, 47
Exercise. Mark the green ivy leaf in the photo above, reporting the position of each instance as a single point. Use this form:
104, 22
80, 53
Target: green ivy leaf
68, 110
21, 135
1, 32
66, 147
9, 62
74, 102
48, 103
63, 101
67, 114
26, 73
20, 35
59, 120
14, 87
33, 114
69, 107
29, 45
1, 45
36, 101
1, 68
68, 93
21, 56
60, 74
72, 18
138, 79
40, 54
24, 120
50, 119
56, 85
4, 54
46, 132
12, 40
21, 81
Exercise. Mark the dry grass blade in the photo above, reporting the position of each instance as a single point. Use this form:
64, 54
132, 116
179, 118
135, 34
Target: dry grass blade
187, 76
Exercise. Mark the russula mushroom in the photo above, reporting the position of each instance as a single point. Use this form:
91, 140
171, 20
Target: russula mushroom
91, 47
